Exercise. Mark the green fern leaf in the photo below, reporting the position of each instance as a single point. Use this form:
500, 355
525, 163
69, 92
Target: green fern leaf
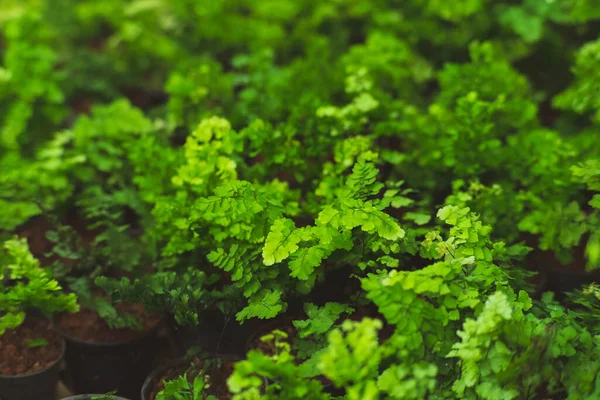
305, 261
282, 241
265, 304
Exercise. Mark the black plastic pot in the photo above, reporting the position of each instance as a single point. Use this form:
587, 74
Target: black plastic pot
158, 372
154, 376
91, 397
103, 367
40, 385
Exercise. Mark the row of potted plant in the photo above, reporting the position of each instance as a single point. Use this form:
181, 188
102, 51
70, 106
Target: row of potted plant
42, 326
384, 185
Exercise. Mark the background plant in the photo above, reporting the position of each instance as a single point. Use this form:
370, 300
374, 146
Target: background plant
27, 287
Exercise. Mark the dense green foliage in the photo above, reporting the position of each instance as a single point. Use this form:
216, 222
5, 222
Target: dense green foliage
27, 287
417, 161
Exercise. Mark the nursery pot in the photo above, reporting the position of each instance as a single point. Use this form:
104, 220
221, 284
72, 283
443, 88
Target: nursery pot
156, 375
92, 396
39, 385
101, 367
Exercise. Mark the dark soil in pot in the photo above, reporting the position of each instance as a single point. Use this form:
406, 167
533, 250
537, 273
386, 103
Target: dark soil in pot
218, 368
86, 325
28, 372
100, 359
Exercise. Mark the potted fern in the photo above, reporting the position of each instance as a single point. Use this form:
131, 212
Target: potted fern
107, 341
30, 348
307, 335
275, 374
201, 238
193, 377
107, 396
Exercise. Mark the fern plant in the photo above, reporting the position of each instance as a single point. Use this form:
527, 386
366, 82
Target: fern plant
459, 331
286, 381
32, 92
182, 389
27, 287
103, 143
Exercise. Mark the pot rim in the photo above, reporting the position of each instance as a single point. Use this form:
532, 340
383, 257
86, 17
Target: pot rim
142, 336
